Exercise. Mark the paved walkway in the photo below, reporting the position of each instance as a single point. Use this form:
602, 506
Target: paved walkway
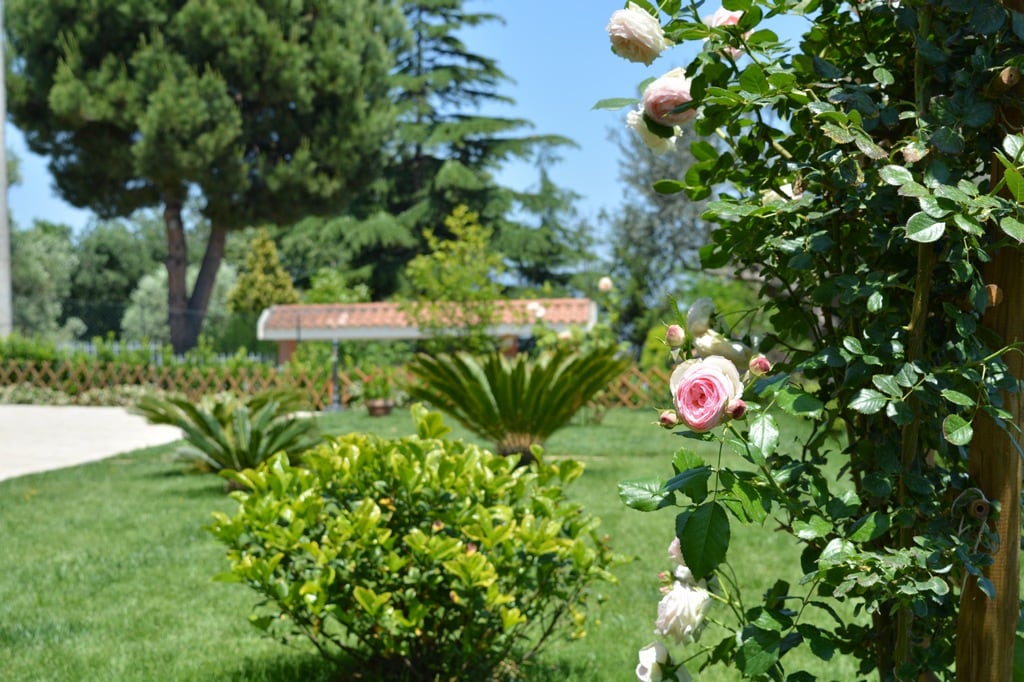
39, 438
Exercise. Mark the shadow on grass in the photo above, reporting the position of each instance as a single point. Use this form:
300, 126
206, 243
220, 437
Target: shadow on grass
293, 666
287, 667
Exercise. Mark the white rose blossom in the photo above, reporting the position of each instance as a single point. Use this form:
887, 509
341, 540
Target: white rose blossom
656, 143
654, 662
681, 612
712, 343
636, 35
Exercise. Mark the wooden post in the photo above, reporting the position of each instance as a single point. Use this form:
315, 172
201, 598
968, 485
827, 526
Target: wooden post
986, 628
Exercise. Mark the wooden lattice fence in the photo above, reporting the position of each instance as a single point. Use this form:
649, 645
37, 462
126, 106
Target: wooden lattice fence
634, 388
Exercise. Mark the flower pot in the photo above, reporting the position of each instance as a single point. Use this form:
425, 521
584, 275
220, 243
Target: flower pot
379, 407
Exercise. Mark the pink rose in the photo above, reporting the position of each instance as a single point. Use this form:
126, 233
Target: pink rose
664, 94
724, 17
703, 389
605, 284
636, 35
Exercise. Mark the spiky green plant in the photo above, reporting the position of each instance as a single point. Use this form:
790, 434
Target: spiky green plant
225, 431
516, 402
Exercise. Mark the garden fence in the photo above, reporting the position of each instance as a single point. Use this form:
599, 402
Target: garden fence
635, 388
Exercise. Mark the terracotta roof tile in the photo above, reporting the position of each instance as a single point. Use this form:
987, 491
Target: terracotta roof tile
386, 320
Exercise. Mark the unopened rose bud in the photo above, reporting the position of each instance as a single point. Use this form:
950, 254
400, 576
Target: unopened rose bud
736, 409
760, 365
668, 419
674, 336
604, 285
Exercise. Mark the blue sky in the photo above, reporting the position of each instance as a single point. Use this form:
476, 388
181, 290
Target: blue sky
556, 52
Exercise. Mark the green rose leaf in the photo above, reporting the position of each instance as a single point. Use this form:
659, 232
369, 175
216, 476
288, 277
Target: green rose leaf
692, 482
703, 537
646, 494
799, 403
668, 186
763, 435
957, 430
814, 527
947, 140
895, 175
923, 228
1013, 228
869, 527
868, 401
615, 103
759, 651
686, 459
958, 398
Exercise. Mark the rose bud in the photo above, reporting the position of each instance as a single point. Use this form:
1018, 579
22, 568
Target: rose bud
668, 419
674, 336
736, 409
760, 365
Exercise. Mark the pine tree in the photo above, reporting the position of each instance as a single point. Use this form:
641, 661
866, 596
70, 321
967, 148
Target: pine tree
269, 111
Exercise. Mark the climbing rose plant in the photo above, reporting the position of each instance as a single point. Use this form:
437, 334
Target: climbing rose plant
869, 175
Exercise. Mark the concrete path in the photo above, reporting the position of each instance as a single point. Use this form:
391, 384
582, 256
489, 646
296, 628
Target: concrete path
39, 438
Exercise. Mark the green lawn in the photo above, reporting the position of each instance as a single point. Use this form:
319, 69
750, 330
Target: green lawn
105, 569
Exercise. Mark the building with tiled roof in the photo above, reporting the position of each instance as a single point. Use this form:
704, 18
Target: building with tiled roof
383, 321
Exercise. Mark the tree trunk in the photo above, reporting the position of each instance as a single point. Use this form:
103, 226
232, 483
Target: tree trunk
985, 630
199, 302
185, 313
177, 265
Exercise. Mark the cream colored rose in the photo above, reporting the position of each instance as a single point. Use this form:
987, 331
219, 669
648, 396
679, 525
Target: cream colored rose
656, 143
712, 343
681, 612
636, 35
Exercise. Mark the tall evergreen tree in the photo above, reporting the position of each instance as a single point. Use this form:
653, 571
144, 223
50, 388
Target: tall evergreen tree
268, 111
445, 152
554, 250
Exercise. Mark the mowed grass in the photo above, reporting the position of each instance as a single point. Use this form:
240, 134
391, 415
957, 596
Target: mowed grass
106, 569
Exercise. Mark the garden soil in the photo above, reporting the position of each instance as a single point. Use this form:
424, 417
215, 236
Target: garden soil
37, 438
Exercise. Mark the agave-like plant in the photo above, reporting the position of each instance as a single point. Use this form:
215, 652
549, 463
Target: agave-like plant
516, 402
225, 431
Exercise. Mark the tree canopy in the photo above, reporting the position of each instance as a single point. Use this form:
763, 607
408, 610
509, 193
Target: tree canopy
268, 112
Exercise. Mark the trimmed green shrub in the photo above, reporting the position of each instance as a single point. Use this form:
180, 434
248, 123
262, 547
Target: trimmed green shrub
416, 558
517, 402
225, 431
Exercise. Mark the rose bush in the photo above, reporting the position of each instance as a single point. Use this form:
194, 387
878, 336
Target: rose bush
870, 176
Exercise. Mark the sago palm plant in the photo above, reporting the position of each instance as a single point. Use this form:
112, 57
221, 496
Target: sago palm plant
516, 402
225, 431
